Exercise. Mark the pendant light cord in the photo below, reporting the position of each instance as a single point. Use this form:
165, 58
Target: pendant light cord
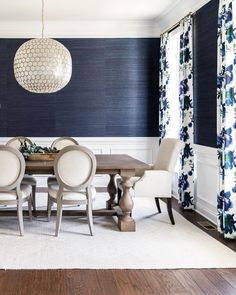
42, 18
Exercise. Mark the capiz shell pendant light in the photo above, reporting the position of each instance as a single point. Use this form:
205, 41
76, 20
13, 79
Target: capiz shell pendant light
42, 65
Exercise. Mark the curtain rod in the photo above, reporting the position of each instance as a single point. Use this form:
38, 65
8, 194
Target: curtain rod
177, 24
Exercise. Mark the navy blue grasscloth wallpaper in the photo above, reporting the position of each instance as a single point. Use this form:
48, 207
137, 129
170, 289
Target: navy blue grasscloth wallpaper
205, 74
113, 91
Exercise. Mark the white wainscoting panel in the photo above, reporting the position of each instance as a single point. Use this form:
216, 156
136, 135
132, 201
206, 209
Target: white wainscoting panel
142, 148
206, 181
145, 149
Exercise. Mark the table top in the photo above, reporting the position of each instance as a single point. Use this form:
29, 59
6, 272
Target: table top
105, 163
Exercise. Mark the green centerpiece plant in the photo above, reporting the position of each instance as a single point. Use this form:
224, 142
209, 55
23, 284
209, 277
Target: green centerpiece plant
26, 149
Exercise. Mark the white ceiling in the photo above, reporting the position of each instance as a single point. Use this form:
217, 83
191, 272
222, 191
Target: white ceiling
80, 10
92, 18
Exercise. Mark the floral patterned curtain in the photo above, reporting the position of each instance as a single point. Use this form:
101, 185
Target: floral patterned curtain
226, 118
164, 116
186, 176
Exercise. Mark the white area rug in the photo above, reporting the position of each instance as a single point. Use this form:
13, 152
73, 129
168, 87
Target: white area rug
156, 243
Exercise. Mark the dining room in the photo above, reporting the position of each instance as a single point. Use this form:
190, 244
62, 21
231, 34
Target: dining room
117, 147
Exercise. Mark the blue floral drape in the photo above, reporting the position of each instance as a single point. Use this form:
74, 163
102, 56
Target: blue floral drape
164, 116
186, 176
226, 118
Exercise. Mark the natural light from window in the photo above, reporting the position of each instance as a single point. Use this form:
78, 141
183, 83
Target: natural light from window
173, 91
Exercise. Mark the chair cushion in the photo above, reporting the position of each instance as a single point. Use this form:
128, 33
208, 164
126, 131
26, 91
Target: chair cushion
11, 195
30, 180
68, 195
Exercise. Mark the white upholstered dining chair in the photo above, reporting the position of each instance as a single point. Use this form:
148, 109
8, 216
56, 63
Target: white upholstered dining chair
62, 142
74, 167
156, 183
15, 142
59, 144
12, 192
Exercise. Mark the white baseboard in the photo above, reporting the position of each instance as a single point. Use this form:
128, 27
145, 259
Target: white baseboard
206, 209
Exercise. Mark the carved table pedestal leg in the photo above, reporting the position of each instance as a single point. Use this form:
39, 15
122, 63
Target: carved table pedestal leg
125, 221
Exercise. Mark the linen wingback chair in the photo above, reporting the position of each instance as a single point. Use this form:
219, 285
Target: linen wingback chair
15, 142
59, 144
157, 182
74, 167
12, 192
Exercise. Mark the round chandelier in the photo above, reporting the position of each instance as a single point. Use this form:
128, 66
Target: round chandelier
42, 65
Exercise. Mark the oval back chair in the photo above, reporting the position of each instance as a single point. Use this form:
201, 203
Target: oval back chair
62, 142
12, 192
74, 167
59, 144
16, 142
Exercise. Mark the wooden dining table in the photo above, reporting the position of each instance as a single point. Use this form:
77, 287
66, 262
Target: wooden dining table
123, 165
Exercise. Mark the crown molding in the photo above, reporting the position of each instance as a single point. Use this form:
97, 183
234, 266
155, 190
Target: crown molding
176, 13
102, 29
79, 29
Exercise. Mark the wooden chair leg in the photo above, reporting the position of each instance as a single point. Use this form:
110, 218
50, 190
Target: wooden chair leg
169, 209
49, 209
20, 217
34, 197
90, 217
30, 208
158, 205
59, 216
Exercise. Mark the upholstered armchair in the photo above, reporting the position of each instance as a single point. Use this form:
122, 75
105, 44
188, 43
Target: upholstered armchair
156, 183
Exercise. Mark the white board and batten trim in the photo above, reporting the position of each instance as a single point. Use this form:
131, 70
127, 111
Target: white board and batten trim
142, 148
145, 149
206, 169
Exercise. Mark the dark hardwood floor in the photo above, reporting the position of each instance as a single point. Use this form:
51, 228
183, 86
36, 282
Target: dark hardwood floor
114, 282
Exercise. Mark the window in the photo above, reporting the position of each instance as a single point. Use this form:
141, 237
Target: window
173, 91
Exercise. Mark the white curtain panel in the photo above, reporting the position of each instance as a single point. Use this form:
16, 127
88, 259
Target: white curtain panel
186, 175
226, 118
